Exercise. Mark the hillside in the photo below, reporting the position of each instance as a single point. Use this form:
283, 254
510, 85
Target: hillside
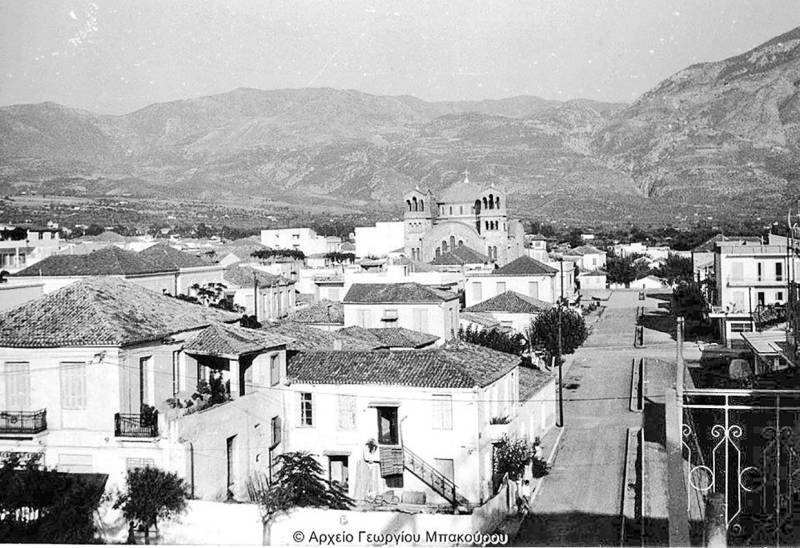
715, 131
718, 138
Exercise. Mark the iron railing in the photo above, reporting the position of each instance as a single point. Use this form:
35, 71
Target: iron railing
23, 422
136, 426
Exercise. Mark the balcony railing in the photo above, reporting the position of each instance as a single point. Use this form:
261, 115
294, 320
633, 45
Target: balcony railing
136, 426
23, 422
756, 281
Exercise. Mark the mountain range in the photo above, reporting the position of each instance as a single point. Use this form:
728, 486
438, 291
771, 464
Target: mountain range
718, 138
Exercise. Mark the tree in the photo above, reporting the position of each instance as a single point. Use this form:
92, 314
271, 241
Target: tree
688, 301
620, 270
152, 495
511, 455
544, 330
337, 257
675, 269
297, 482
94, 230
494, 339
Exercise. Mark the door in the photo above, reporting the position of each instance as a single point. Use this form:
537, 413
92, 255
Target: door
144, 385
760, 297
388, 431
338, 470
445, 467
230, 454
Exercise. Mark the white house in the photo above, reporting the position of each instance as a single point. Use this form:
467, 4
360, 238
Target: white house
594, 279
379, 240
24, 245
260, 293
524, 275
410, 305
512, 310
301, 239
429, 413
586, 257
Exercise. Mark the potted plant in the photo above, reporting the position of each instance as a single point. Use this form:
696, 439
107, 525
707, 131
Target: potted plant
499, 427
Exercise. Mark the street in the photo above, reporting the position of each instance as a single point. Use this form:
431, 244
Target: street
579, 501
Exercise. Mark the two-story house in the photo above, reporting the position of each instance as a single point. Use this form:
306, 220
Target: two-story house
524, 275
428, 413
511, 310
410, 305
267, 296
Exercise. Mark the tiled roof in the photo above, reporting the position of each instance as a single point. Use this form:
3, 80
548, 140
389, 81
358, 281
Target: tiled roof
109, 261
232, 340
479, 318
458, 366
585, 250
308, 338
107, 236
525, 266
710, 245
400, 293
460, 256
103, 311
348, 247
242, 276
170, 258
390, 337
531, 381
511, 302
323, 312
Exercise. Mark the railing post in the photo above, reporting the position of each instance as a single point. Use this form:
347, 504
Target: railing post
117, 424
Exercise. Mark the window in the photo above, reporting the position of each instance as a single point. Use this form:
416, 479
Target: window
73, 385
421, 320
779, 296
737, 271
306, 409
274, 370
446, 467
77, 464
442, 412
347, 412
230, 452
362, 318
18, 386
389, 315
176, 373
275, 428
501, 287
477, 292
778, 272
134, 463
741, 327
145, 366
533, 289
759, 271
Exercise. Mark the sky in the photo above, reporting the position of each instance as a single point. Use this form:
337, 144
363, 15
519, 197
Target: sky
115, 57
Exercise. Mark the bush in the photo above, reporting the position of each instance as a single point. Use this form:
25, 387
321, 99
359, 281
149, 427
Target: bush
494, 339
511, 456
544, 330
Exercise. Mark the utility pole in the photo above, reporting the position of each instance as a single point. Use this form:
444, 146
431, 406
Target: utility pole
560, 361
255, 296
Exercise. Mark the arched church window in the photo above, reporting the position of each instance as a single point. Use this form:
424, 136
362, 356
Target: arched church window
414, 201
460, 210
491, 201
497, 202
451, 210
421, 204
409, 204
438, 252
460, 243
477, 207
485, 205
444, 246
452, 242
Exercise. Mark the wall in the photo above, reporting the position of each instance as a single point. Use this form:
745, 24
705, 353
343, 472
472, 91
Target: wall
415, 414
79, 440
592, 282
537, 415
379, 240
442, 318
187, 277
310, 521
521, 284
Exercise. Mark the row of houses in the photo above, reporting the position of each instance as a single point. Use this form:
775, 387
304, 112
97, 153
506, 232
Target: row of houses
99, 376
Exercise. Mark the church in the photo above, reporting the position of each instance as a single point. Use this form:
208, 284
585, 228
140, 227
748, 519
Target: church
466, 214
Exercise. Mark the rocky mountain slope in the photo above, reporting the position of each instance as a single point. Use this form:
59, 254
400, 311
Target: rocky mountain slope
719, 137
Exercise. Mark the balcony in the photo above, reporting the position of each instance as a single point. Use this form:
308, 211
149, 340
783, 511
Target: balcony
136, 426
23, 422
757, 281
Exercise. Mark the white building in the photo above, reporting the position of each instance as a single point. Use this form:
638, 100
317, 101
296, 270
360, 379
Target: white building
428, 411
410, 305
586, 257
26, 245
264, 295
512, 310
525, 276
301, 239
379, 240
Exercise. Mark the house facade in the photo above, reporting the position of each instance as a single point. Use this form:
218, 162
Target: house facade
524, 275
410, 305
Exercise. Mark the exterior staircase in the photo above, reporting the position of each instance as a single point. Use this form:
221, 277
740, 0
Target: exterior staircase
434, 479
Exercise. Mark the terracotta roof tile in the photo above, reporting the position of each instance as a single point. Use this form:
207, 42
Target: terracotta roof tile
109, 261
170, 258
458, 366
396, 293
232, 340
525, 266
324, 312
103, 311
511, 302
390, 337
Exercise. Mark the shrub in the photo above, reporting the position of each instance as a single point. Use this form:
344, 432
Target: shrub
151, 495
511, 455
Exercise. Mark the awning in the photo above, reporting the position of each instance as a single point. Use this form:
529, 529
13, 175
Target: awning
383, 404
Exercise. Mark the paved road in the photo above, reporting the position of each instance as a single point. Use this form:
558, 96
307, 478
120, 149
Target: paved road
579, 502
